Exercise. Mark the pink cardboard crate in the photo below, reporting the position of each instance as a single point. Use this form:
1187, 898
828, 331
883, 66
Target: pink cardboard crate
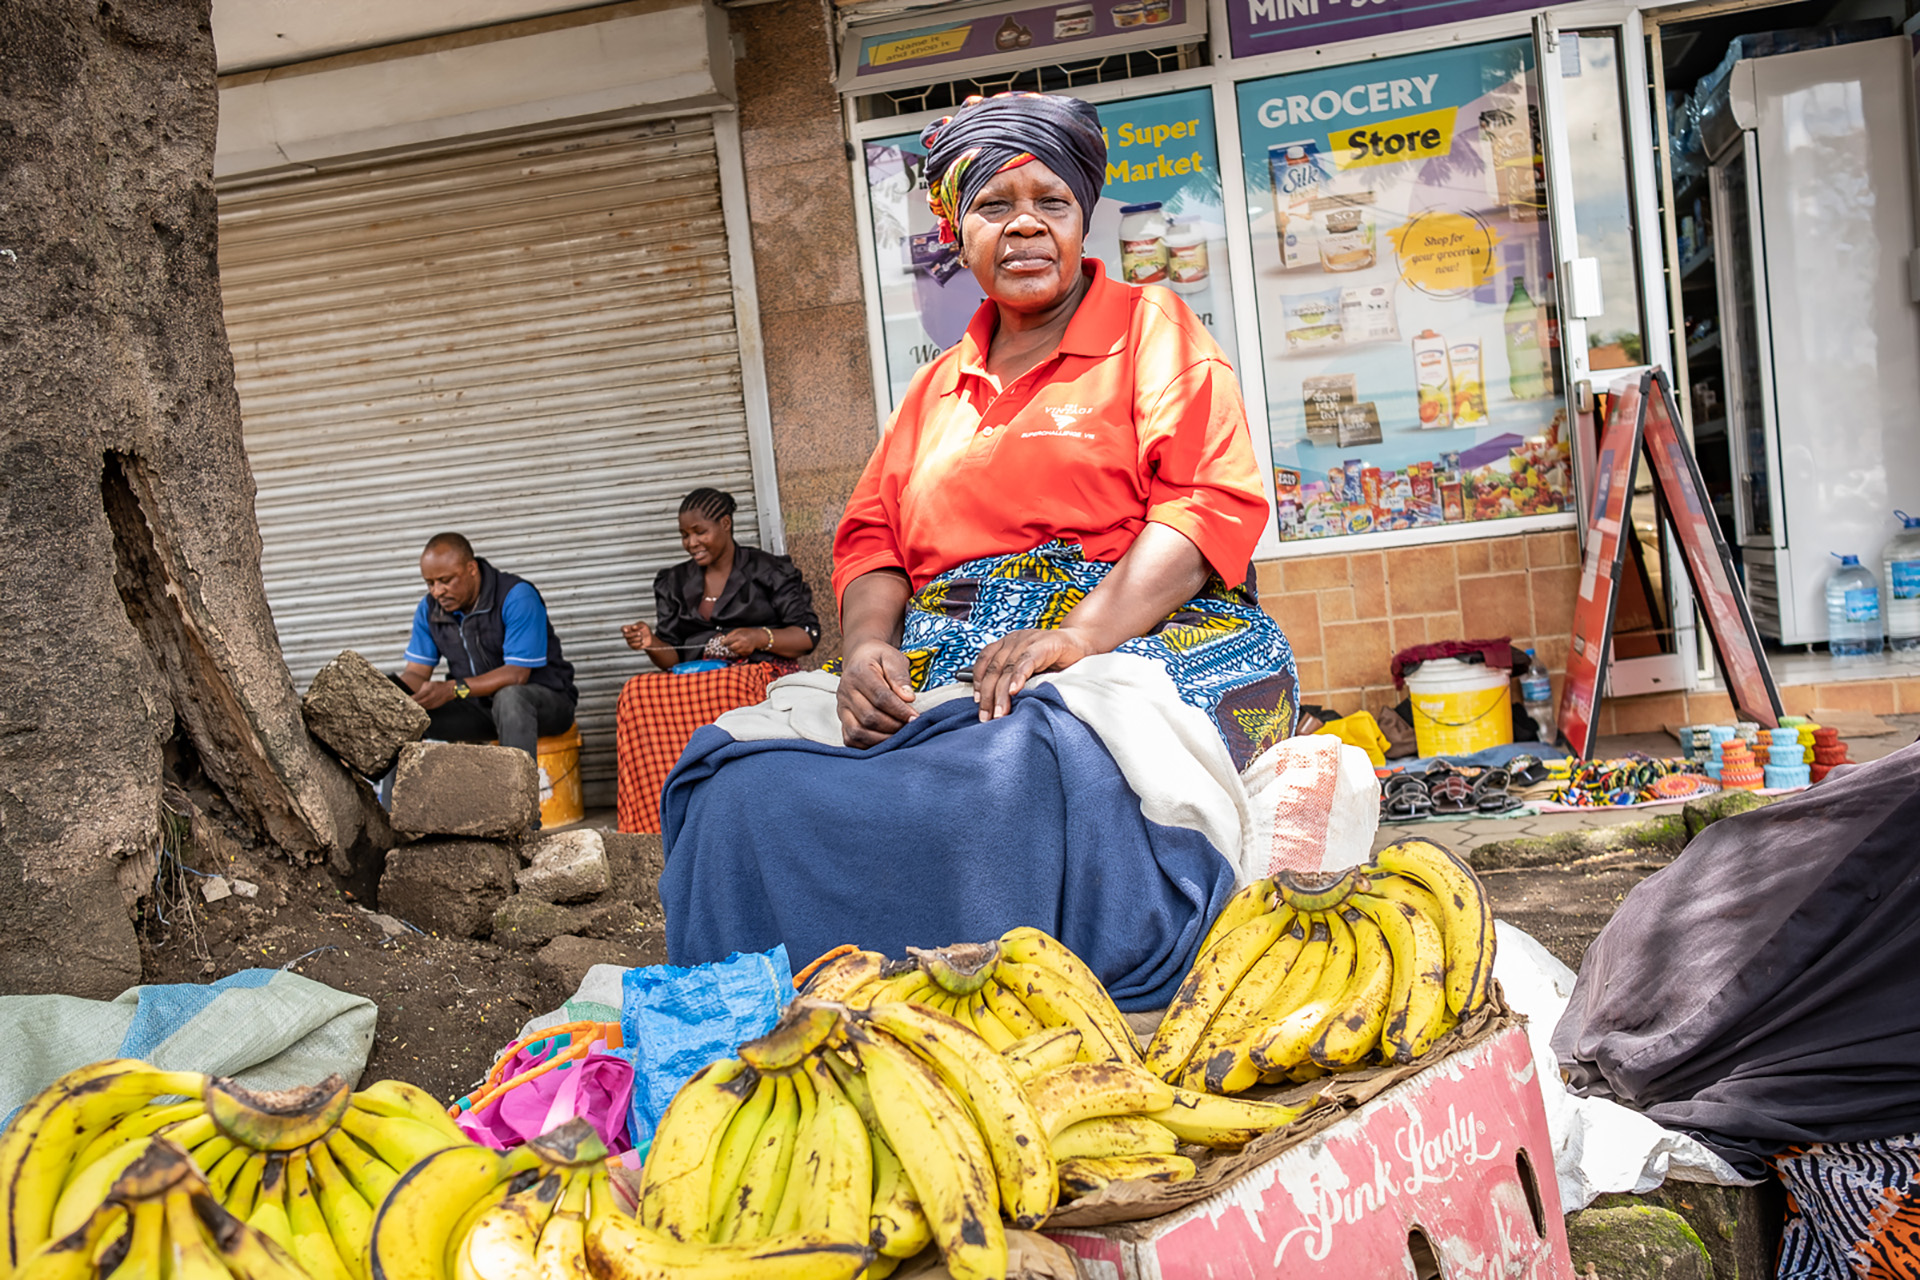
1449, 1174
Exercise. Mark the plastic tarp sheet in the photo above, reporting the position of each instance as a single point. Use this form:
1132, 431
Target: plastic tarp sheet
266, 1028
675, 1021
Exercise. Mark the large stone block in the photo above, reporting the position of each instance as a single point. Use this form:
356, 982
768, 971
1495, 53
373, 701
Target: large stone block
448, 886
1740, 1226
1638, 1243
360, 715
526, 923
465, 789
567, 866
565, 961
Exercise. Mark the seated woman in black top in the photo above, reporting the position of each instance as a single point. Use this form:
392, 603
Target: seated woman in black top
746, 606
725, 600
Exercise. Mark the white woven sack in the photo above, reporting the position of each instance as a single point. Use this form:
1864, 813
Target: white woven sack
1315, 806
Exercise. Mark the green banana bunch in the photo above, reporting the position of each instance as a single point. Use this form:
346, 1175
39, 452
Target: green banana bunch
156, 1220
473, 1213
307, 1167
1302, 975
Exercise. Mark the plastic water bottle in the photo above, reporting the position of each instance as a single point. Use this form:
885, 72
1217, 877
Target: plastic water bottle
1853, 610
1536, 698
1900, 571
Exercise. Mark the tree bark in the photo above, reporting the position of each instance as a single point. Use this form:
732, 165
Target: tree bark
131, 603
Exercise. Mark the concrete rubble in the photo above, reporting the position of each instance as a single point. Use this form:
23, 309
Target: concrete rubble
568, 866
360, 715
448, 886
465, 789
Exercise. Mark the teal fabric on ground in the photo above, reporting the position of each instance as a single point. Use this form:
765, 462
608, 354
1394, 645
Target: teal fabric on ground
266, 1028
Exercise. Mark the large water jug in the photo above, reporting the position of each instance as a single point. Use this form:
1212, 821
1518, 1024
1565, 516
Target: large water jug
1853, 610
1900, 571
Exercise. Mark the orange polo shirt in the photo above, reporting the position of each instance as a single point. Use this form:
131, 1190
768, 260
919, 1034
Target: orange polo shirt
1136, 418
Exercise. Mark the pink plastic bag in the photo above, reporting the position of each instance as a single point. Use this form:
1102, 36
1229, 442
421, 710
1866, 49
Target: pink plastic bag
596, 1085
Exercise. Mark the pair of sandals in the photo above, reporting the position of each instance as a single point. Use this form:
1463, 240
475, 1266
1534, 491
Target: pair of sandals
1442, 789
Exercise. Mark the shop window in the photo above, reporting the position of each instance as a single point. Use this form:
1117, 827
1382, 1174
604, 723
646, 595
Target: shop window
1402, 264
1158, 221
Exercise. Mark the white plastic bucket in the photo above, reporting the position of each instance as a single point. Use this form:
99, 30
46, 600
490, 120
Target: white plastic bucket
1459, 707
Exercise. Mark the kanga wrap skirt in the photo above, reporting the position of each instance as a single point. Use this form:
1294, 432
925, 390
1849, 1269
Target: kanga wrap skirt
1225, 655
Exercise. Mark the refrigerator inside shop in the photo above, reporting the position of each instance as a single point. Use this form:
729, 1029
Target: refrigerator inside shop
1811, 184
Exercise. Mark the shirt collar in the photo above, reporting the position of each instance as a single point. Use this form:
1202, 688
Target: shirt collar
1098, 328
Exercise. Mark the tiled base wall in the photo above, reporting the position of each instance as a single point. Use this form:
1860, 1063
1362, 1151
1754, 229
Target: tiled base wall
1655, 711
1347, 615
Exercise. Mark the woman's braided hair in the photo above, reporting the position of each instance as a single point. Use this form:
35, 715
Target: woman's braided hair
711, 503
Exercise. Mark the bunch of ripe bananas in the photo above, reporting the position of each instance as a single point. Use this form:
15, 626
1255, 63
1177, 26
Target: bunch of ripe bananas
1300, 977
306, 1168
1029, 996
158, 1220
473, 1213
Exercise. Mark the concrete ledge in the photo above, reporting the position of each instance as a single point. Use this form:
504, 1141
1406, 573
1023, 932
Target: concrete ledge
646, 57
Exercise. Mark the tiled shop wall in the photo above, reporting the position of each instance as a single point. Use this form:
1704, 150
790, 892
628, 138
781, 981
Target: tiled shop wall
1347, 615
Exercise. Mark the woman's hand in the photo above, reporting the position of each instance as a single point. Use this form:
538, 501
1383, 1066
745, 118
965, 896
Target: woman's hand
875, 693
1003, 667
638, 635
744, 641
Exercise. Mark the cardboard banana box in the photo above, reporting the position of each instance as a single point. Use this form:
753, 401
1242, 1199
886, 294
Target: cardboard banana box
1439, 1168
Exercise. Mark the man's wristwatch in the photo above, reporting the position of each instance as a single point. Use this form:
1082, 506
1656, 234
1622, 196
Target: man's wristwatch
460, 689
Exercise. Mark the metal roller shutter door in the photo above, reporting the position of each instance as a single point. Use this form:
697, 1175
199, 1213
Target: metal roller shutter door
532, 343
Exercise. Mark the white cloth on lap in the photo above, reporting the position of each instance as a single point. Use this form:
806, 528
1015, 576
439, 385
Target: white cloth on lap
1170, 753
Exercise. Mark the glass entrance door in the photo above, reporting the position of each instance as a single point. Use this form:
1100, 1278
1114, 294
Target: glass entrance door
1605, 339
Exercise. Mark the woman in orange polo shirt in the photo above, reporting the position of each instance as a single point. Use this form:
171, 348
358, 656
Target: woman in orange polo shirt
1074, 478
1083, 434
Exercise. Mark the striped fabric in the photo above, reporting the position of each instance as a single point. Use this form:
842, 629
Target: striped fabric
1853, 1210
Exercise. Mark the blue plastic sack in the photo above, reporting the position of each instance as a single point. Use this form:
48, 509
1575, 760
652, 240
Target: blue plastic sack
694, 666
676, 1021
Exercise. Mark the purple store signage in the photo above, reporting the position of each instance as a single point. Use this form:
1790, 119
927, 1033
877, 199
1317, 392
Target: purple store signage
1273, 26
1041, 27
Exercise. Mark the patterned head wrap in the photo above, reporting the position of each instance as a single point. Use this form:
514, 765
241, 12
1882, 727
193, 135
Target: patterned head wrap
987, 136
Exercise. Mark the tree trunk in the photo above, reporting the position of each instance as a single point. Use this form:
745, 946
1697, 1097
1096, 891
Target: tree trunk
130, 601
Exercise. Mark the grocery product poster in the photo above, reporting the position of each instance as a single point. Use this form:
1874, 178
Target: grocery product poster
1401, 257
1158, 221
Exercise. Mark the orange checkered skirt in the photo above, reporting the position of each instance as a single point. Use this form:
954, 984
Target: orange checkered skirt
658, 713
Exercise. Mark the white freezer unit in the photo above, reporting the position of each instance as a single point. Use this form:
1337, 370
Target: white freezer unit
1813, 209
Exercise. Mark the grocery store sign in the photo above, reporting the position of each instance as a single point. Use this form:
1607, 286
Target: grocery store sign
1272, 26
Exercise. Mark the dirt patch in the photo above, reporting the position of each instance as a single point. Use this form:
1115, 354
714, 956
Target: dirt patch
447, 1004
1565, 906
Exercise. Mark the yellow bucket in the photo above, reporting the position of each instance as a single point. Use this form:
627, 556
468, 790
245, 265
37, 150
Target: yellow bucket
1459, 707
561, 801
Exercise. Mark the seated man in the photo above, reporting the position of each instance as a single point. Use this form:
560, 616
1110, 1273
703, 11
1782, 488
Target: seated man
506, 676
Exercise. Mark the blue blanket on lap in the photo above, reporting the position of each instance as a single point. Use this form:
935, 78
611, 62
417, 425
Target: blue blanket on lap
951, 831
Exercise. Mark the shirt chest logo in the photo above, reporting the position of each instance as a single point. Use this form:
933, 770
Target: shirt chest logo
1067, 423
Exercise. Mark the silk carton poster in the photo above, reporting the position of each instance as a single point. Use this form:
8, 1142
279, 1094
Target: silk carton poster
1402, 266
1158, 221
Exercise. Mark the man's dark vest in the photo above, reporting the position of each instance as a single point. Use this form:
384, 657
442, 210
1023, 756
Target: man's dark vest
476, 641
